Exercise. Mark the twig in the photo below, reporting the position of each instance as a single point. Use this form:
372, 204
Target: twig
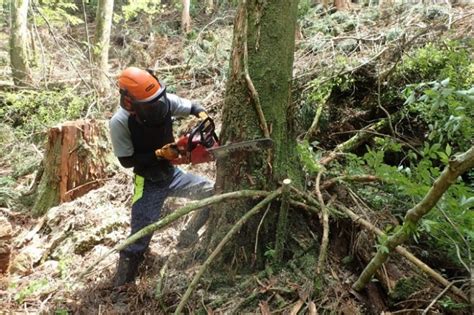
325, 217
173, 217
350, 178
425, 311
59, 45
221, 245
315, 124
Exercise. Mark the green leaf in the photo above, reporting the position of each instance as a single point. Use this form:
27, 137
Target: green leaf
448, 150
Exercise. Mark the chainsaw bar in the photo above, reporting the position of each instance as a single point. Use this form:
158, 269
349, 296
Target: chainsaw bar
250, 146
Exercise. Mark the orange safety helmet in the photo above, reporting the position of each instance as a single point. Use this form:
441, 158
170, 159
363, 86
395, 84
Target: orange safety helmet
142, 93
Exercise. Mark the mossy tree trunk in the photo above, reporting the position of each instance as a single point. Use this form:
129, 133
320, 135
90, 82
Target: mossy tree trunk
18, 42
264, 38
105, 11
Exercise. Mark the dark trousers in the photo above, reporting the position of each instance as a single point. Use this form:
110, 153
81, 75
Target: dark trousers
149, 197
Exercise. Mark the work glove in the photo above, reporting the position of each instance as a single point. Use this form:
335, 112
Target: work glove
168, 152
202, 115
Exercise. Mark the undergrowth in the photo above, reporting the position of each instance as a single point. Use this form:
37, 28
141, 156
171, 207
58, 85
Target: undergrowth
436, 82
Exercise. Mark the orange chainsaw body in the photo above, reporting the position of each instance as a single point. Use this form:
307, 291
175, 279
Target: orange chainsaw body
193, 146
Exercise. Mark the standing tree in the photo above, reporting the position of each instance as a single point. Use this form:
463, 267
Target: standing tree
105, 10
18, 42
186, 17
209, 6
257, 104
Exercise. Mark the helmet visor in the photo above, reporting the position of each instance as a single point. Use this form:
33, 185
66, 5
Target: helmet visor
154, 112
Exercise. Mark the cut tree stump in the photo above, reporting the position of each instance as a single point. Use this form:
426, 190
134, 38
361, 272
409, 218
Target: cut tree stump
78, 158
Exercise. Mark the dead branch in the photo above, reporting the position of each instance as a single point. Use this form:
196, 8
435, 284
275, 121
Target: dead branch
315, 124
455, 168
175, 216
221, 245
325, 219
350, 178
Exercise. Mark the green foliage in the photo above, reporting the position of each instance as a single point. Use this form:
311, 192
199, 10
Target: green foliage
406, 287
59, 12
406, 185
449, 305
450, 59
33, 288
148, 7
448, 112
308, 158
321, 89
31, 112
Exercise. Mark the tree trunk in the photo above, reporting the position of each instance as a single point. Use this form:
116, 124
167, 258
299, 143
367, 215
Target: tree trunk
342, 4
185, 17
209, 6
76, 161
257, 100
18, 42
6, 234
105, 10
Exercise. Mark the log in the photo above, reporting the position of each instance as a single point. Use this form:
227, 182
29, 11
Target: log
77, 160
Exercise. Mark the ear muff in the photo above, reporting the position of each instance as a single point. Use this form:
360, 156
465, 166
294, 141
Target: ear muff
125, 100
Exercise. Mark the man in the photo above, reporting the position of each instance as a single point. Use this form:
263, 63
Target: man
142, 138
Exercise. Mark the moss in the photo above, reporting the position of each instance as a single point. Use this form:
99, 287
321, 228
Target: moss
406, 287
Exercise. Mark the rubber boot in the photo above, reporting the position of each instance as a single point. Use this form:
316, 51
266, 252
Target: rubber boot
127, 269
189, 235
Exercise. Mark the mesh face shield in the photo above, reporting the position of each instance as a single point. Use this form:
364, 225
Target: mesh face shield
154, 112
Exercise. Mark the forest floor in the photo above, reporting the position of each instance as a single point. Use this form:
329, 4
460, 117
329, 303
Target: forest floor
50, 254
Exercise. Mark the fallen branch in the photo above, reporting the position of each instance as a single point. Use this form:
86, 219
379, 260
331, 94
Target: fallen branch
175, 216
426, 310
221, 245
403, 251
358, 139
350, 178
313, 129
455, 168
325, 218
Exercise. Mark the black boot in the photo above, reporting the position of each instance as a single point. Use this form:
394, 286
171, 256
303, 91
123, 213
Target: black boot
127, 269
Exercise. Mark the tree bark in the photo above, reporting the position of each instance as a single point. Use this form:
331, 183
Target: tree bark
342, 4
456, 167
105, 11
186, 17
257, 104
209, 6
6, 234
18, 42
76, 161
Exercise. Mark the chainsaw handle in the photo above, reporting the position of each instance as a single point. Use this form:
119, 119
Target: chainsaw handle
206, 132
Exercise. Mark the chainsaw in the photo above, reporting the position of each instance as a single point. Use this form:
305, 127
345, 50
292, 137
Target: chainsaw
201, 145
